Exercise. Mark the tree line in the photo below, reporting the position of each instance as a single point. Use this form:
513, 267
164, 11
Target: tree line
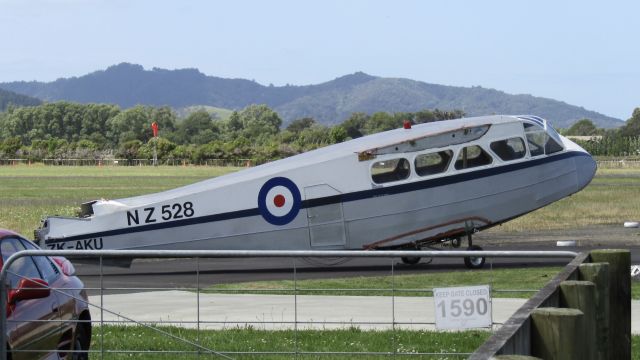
65, 130
624, 141
68, 130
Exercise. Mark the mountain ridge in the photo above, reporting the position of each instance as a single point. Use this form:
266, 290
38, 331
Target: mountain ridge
330, 102
9, 98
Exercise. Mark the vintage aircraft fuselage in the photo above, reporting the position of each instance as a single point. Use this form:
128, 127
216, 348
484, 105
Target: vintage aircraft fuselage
395, 189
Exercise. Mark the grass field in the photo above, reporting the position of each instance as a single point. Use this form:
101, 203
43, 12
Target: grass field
500, 280
505, 283
611, 198
135, 338
144, 341
27, 193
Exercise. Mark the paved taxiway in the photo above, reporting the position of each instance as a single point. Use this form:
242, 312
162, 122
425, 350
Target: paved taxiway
273, 312
148, 275
150, 290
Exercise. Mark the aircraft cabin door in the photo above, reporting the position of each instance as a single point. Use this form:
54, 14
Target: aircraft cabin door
326, 222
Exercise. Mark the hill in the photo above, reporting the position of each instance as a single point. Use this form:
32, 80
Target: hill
329, 103
215, 112
10, 98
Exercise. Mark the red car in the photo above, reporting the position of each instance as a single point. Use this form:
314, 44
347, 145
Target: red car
47, 307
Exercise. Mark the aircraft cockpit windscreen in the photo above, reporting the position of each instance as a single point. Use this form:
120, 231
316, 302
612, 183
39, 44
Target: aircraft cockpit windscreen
542, 142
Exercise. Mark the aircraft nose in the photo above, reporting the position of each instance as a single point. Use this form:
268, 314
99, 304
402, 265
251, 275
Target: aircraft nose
586, 169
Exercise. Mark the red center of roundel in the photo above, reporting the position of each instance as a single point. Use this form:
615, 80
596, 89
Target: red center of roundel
279, 201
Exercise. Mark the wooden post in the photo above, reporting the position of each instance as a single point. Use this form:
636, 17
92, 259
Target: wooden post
598, 273
557, 333
581, 295
619, 300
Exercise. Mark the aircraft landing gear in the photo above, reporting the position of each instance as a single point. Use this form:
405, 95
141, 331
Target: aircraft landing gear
410, 260
473, 262
456, 242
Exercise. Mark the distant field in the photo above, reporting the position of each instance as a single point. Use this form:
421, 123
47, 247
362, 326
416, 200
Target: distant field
611, 198
27, 193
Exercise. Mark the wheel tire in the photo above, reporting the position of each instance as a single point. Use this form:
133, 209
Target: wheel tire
456, 242
473, 262
81, 343
410, 260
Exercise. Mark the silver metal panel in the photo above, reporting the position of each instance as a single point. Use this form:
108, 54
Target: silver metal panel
326, 222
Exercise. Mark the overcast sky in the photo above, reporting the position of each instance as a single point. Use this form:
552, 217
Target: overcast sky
586, 53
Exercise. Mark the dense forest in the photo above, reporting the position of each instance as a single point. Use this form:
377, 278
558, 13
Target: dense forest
64, 130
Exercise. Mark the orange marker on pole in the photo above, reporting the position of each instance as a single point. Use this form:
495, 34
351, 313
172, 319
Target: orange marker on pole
154, 127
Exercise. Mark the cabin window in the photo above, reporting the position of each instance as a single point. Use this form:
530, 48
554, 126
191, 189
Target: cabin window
509, 149
433, 163
539, 141
472, 156
390, 170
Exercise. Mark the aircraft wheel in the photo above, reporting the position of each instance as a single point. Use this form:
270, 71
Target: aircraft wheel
456, 242
410, 260
474, 262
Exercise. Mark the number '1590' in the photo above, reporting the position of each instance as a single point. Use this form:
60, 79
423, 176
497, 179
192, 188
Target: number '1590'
467, 307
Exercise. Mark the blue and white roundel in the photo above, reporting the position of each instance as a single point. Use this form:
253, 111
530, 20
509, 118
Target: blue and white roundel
279, 201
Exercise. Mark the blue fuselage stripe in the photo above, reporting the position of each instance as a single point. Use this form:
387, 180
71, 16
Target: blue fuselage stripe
354, 196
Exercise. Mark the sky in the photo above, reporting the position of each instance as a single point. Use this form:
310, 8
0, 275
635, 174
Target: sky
585, 53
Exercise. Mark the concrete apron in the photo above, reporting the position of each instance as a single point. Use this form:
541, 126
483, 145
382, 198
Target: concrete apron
275, 312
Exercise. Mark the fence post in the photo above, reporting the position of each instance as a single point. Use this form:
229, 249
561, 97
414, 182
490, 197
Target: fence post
598, 273
581, 295
514, 357
619, 300
546, 326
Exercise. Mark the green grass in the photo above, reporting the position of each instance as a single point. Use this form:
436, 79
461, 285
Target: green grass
609, 199
136, 338
499, 279
129, 339
28, 193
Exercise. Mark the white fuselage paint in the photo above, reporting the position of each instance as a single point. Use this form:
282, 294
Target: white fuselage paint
327, 199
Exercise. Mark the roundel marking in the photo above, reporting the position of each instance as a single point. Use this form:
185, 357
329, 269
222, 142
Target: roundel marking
279, 201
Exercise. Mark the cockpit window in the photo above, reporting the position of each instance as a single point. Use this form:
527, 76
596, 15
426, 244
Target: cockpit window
472, 156
433, 163
539, 141
552, 146
390, 170
509, 149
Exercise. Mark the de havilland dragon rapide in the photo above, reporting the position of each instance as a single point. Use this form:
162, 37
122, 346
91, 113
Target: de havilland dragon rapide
407, 188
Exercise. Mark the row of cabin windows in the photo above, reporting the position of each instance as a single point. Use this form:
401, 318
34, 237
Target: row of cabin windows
469, 157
